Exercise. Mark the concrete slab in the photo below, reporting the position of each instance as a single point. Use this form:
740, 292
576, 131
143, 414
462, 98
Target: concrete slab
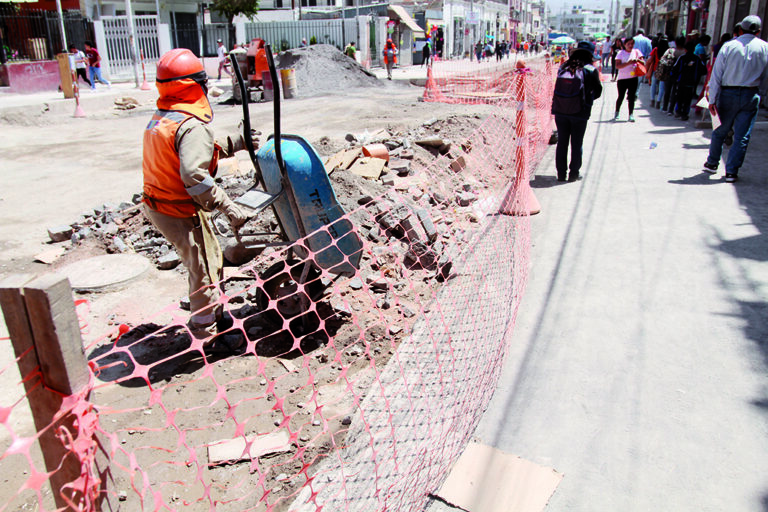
104, 272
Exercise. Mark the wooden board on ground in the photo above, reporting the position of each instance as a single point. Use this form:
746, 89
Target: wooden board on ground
485, 479
368, 167
234, 450
341, 160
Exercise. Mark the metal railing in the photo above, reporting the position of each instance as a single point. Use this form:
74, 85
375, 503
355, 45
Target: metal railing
36, 35
119, 51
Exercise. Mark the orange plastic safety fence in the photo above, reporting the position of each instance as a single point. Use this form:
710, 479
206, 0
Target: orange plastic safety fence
354, 390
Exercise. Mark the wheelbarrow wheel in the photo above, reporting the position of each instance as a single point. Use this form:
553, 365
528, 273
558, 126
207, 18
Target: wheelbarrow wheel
281, 284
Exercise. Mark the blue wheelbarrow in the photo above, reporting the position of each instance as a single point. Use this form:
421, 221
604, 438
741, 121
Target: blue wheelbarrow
291, 179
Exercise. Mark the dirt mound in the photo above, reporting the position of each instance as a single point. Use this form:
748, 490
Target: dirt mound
322, 68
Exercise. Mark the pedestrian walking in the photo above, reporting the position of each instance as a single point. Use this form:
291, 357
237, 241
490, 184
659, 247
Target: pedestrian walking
576, 88
670, 88
616, 47
628, 77
739, 78
94, 65
686, 74
652, 65
426, 55
605, 54
390, 57
221, 52
179, 161
80, 64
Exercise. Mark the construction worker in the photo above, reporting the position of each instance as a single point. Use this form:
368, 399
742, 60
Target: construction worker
390, 57
180, 160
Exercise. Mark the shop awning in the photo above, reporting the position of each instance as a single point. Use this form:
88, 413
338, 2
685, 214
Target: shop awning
437, 23
405, 18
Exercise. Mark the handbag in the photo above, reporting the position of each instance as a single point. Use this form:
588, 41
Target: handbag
640, 69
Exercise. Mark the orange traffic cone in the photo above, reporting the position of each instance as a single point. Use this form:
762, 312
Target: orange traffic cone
520, 199
144, 85
78, 109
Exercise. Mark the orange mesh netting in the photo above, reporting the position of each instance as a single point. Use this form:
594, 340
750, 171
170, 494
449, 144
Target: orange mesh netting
353, 392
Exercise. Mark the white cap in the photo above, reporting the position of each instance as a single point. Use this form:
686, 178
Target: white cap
751, 24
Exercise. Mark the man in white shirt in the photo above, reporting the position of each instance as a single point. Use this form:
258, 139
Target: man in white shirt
223, 59
739, 78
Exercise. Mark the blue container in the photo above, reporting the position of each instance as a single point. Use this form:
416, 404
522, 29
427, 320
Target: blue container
335, 246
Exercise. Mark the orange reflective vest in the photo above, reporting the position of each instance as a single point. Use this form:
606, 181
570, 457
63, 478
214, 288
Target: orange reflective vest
164, 191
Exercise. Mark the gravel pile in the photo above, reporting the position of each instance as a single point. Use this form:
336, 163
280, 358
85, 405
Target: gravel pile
322, 68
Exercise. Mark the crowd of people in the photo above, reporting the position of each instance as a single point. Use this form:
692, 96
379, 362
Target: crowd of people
729, 77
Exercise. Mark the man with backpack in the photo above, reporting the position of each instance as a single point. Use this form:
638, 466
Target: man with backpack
576, 88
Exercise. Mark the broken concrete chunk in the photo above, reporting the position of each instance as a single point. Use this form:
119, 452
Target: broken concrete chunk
364, 199
60, 233
168, 261
119, 244
395, 329
427, 224
458, 164
400, 167
388, 180
465, 198
420, 255
445, 148
356, 283
238, 253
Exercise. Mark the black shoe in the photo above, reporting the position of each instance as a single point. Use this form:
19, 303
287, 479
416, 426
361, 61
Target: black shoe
730, 178
710, 168
561, 177
574, 176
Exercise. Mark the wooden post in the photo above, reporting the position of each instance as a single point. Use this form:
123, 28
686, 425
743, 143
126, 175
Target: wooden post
45, 332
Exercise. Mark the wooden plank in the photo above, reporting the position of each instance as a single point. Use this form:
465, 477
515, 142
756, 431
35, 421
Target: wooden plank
234, 450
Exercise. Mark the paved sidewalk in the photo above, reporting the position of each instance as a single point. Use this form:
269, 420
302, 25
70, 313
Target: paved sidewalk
638, 365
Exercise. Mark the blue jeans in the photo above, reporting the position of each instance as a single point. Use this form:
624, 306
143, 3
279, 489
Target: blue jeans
737, 109
654, 87
662, 85
569, 130
95, 73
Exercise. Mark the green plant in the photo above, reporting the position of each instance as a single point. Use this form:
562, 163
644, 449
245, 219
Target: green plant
284, 46
231, 8
313, 40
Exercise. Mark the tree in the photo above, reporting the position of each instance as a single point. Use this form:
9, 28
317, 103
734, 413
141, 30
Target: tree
231, 8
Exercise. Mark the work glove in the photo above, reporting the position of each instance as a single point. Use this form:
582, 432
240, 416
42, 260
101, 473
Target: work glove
237, 142
235, 214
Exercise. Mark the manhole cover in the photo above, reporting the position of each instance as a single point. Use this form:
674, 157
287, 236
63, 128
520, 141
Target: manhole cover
104, 271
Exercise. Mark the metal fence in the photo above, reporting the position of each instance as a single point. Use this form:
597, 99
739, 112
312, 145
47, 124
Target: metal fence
36, 35
119, 51
283, 35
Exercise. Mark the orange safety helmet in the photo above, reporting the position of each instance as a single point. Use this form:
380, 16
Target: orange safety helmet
183, 84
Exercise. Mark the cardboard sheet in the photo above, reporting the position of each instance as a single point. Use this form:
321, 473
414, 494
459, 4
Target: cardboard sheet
485, 479
368, 167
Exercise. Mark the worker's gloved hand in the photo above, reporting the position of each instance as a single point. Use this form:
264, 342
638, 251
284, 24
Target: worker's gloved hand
235, 214
238, 142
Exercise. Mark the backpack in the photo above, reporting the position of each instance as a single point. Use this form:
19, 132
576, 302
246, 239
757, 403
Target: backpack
570, 96
667, 62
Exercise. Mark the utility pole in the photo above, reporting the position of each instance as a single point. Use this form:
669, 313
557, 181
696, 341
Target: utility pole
634, 17
61, 23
